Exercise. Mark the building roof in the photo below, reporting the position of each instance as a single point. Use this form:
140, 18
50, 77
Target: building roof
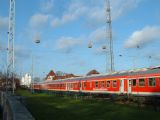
51, 73
92, 72
56, 77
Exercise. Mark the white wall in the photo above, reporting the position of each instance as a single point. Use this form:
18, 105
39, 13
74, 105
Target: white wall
26, 80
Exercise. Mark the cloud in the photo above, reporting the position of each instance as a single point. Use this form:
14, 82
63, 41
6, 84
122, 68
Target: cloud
38, 20
3, 22
100, 51
98, 35
94, 11
67, 44
118, 8
143, 36
74, 11
47, 5
97, 15
36, 36
121, 7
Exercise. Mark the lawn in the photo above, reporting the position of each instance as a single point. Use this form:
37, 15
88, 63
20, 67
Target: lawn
49, 107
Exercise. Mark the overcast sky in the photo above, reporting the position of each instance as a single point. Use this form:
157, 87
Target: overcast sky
65, 27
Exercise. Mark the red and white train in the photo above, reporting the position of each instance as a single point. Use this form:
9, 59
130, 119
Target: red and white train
143, 82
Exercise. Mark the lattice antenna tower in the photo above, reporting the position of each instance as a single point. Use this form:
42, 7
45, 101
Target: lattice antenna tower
10, 53
110, 55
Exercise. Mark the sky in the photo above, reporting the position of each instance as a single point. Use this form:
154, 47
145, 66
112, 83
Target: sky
66, 27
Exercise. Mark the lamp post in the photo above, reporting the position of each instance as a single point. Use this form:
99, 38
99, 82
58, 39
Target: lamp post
37, 41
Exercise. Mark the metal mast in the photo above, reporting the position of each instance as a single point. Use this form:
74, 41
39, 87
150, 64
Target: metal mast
110, 60
10, 54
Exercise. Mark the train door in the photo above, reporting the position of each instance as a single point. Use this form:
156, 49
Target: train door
129, 86
80, 86
122, 86
68, 86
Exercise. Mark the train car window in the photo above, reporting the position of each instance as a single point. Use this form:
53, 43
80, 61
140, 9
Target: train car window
84, 84
108, 83
96, 84
102, 84
114, 83
134, 82
75, 85
152, 81
141, 82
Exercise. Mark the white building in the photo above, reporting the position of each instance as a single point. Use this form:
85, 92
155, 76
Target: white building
26, 80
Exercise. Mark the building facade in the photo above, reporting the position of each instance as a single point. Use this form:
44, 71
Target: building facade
26, 80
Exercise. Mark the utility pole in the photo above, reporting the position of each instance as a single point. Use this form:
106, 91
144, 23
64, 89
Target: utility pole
10, 53
110, 55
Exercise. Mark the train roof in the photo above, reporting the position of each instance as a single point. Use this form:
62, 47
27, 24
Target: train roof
142, 71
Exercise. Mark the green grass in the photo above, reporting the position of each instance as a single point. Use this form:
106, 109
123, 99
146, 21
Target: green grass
49, 107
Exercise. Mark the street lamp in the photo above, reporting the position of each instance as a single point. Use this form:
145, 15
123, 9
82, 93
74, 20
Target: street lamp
37, 41
90, 45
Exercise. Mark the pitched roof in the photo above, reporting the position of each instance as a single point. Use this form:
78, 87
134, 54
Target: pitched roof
51, 73
92, 72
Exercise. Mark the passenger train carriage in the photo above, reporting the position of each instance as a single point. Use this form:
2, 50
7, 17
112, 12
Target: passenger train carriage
141, 82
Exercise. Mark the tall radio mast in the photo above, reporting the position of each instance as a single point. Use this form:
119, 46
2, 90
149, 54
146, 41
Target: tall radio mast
10, 53
110, 54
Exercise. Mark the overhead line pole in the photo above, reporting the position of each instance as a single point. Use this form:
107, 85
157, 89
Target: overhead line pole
10, 53
110, 54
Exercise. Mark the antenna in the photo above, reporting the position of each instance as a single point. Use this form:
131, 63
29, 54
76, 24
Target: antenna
110, 56
10, 53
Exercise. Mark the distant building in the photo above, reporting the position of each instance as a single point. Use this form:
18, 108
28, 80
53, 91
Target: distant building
51, 75
58, 75
26, 80
92, 72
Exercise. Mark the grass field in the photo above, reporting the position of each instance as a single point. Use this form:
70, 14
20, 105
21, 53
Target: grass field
49, 107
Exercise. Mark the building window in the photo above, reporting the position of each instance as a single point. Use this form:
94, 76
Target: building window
102, 84
152, 81
108, 83
96, 84
141, 82
134, 82
84, 84
114, 83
